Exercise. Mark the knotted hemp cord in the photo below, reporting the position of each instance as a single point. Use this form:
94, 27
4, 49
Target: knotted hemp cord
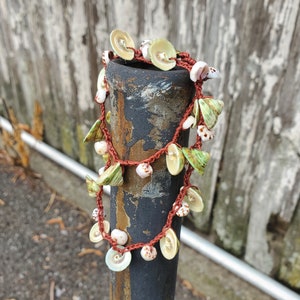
185, 61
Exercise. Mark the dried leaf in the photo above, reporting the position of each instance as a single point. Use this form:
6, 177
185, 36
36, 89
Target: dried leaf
52, 290
24, 127
18, 144
50, 203
187, 284
85, 251
37, 122
58, 221
13, 143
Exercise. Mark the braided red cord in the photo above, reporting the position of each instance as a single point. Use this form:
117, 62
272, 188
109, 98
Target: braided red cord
185, 61
160, 235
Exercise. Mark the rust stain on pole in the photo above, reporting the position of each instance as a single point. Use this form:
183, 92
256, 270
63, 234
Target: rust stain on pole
122, 128
122, 132
120, 287
122, 220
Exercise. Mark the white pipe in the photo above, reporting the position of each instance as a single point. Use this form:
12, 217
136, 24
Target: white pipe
216, 254
236, 266
56, 156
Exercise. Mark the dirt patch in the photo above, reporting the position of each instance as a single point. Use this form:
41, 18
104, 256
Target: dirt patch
45, 251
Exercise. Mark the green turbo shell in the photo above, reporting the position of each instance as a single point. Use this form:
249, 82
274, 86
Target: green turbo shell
92, 186
210, 109
111, 176
95, 133
108, 117
196, 112
198, 159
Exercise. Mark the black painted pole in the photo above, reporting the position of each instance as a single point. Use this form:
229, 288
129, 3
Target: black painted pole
146, 107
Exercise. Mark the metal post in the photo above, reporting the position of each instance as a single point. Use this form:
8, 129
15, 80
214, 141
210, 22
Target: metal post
146, 107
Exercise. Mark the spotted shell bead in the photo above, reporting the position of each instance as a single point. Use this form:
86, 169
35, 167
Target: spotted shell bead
213, 73
144, 170
101, 147
95, 214
107, 56
199, 71
204, 133
183, 210
148, 253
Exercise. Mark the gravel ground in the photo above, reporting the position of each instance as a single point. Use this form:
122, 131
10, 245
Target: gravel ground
45, 252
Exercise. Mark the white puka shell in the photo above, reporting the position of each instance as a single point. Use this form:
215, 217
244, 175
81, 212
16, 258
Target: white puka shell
101, 80
95, 234
169, 244
117, 261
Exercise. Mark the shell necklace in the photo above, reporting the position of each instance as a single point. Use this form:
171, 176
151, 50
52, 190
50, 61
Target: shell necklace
202, 113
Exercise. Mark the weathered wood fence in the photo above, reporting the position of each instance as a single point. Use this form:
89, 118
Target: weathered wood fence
50, 51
